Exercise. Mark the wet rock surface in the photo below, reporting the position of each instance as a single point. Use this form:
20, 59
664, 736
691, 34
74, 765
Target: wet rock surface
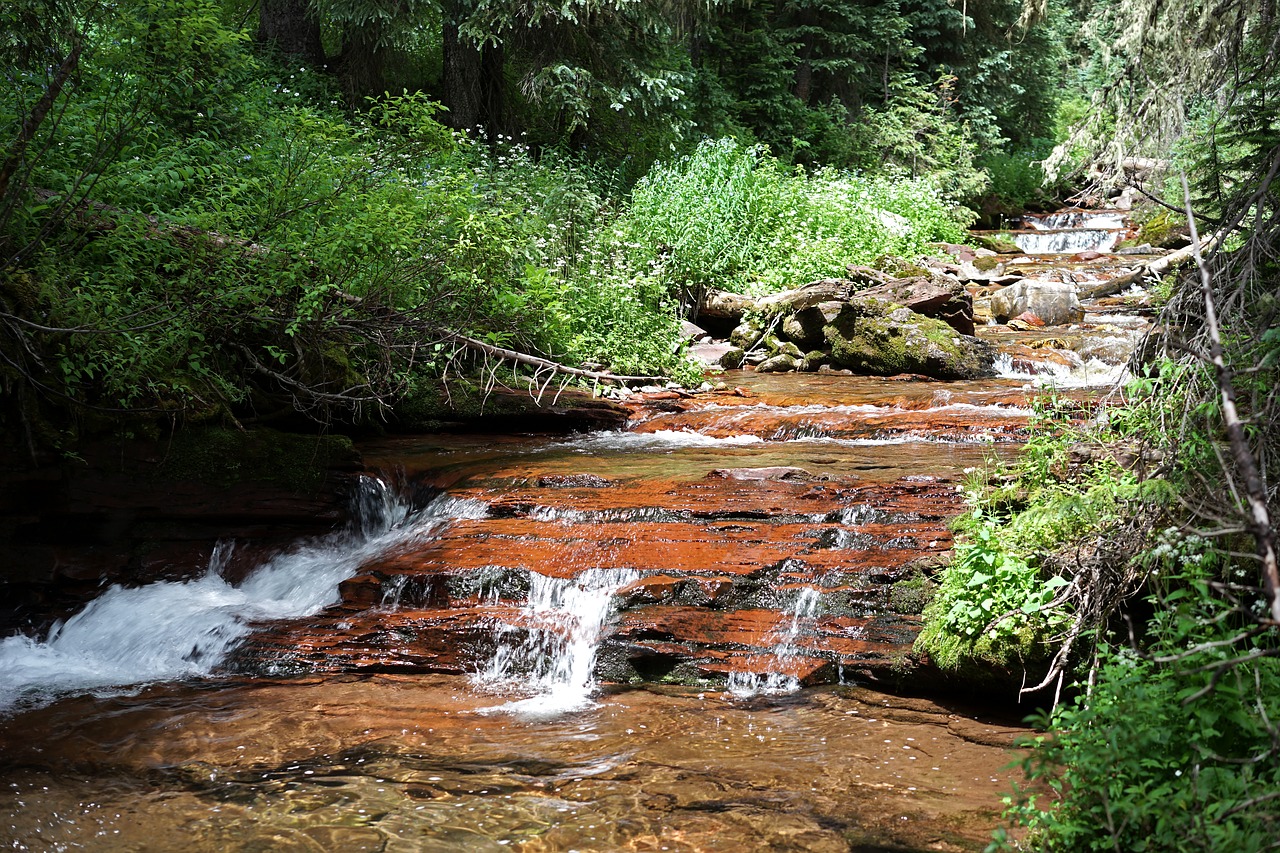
734, 547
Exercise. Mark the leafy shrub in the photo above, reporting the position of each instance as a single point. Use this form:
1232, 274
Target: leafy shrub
1172, 750
733, 217
990, 606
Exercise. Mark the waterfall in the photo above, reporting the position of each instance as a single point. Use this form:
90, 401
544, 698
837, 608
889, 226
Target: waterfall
182, 629
776, 679
552, 651
1068, 232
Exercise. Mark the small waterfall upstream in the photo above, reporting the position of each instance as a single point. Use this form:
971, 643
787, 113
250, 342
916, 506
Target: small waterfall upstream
182, 629
1068, 232
553, 650
776, 677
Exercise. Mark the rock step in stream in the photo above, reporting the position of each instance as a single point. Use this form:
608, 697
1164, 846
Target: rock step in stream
721, 542
460, 675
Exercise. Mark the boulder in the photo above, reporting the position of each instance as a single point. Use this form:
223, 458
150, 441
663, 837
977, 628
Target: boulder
805, 327
746, 335
813, 360
691, 331
938, 297
777, 364
733, 358
1053, 302
711, 354
873, 335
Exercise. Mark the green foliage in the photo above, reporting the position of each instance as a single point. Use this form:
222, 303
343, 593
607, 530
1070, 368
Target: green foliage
990, 605
732, 216
1172, 749
918, 132
235, 247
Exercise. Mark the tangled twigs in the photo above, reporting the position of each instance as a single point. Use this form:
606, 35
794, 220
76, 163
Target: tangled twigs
1255, 491
541, 364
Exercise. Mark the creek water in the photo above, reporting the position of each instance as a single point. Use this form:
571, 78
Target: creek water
1071, 231
671, 637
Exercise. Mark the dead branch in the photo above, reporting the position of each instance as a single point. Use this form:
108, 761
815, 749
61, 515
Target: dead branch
511, 355
1255, 491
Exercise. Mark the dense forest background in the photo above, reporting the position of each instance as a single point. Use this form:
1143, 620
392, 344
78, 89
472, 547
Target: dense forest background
306, 213
262, 210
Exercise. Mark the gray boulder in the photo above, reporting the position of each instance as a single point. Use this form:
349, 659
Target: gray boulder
1053, 302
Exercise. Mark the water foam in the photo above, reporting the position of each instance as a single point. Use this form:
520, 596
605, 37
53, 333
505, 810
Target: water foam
553, 651
768, 674
172, 630
663, 439
1089, 373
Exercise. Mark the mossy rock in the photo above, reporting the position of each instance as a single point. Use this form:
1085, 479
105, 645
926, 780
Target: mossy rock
882, 338
222, 456
1164, 230
780, 363
745, 334
997, 244
986, 263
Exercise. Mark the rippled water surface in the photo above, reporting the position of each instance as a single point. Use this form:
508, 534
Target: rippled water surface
415, 764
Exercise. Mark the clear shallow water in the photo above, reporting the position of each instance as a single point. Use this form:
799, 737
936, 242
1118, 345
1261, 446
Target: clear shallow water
376, 762
413, 764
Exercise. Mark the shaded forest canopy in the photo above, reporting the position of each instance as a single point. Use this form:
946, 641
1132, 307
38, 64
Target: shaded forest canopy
217, 210
293, 212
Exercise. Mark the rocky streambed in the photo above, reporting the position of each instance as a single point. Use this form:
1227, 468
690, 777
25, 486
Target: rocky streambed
693, 633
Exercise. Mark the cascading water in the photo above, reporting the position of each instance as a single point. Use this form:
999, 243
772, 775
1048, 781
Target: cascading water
553, 650
171, 630
1073, 231
776, 678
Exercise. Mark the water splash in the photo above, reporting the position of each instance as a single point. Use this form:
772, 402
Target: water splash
1076, 219
1067, 241
182, 629
778, 677
553, 650
1085, 373
665, 439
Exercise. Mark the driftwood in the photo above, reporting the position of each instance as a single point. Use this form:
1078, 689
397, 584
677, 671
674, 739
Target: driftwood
1154, 268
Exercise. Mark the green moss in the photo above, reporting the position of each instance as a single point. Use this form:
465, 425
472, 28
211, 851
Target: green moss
225, 457
1000, 243
986, 263
875, 336
1160, 229
911, 594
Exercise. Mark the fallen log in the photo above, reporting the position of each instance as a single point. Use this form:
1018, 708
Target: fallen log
1154, 268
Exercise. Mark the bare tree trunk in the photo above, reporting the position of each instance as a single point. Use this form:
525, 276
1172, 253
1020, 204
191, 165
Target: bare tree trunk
292, 28
36, 117
361, 65
473, 84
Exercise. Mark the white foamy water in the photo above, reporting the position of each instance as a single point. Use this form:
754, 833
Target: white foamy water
172, 630
1076, 219
1089, 373
1066, 241
769, 673
665, 439
553, 651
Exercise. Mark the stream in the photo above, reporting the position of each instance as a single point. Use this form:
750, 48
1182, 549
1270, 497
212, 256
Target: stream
679, 636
